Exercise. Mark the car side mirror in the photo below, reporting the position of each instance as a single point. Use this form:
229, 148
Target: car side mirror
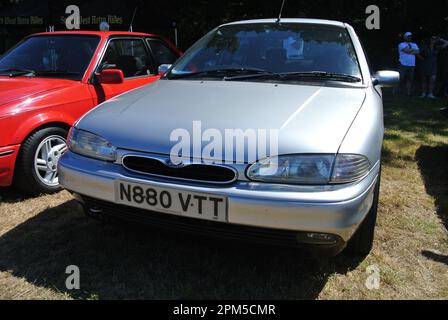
111, 76
386, 78
163, 69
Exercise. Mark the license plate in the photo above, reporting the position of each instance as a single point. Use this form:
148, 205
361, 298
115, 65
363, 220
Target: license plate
172, 201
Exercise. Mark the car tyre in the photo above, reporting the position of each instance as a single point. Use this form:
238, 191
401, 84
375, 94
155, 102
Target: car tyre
361, 243
28, 177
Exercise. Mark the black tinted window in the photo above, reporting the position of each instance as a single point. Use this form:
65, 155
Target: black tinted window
128, 55
162, 53
69, 53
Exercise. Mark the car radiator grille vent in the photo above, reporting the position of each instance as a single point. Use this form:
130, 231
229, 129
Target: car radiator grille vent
194, 172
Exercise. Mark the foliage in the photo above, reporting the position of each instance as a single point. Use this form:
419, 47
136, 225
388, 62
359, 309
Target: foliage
194, 18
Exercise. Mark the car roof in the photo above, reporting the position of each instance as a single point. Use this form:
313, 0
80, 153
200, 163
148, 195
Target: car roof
289, 20
95, 33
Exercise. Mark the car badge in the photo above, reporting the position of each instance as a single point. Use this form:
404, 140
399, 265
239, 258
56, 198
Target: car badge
175, 165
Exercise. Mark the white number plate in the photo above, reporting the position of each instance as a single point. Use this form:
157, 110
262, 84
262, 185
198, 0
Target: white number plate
171, 201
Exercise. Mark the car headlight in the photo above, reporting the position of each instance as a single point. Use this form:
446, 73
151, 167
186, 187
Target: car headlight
91, 145
310, 169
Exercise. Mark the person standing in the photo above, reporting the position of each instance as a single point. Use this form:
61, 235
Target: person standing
429, 55
407, 51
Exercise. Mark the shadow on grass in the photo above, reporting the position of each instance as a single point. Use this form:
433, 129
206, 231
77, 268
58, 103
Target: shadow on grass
130, 262
435, 257
419, 116
387, 156
433, 164
13, 195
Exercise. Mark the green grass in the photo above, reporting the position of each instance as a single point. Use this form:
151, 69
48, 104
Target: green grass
412, 123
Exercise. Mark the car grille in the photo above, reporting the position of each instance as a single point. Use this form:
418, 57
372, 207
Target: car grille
194, 172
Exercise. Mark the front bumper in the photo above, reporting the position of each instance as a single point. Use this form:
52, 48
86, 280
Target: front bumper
335, 210
8, 156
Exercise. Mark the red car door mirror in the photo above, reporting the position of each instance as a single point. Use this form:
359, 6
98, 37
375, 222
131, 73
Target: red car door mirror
111, 76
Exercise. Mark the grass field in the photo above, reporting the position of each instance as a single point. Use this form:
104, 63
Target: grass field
40, 237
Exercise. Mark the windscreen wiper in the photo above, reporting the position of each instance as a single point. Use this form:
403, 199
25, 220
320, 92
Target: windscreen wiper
225, 73
15, 72
55, 72
321, 75
314, 75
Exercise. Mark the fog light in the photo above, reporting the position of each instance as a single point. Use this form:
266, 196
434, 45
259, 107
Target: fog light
317, 238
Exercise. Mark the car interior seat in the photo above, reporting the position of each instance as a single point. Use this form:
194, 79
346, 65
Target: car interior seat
127, 64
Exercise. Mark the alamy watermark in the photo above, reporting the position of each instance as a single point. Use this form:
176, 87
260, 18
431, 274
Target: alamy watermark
74, 19
73, 281
373, 281
213, 146
373, 21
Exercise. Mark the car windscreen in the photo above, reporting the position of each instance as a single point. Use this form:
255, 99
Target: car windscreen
273, 47
56, 56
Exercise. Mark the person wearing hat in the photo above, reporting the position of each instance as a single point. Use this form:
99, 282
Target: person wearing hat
408, 51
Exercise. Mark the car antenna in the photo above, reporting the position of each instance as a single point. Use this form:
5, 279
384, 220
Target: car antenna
281, 12
131, 28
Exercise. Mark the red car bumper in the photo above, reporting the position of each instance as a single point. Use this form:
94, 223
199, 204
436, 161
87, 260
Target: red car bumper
8, 156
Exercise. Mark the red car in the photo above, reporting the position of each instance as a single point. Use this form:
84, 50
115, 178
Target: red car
49, 80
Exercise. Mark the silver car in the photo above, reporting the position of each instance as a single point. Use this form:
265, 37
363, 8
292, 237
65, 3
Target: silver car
191, 151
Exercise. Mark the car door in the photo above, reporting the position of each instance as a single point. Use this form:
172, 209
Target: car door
131, 56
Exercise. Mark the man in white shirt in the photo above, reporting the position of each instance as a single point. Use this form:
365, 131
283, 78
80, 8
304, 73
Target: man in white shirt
408, 51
